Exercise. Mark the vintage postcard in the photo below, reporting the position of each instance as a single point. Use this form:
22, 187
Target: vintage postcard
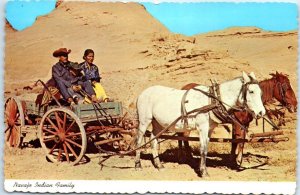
150, 97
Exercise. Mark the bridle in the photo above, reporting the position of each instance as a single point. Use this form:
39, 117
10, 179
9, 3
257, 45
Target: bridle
243, 91
282, 90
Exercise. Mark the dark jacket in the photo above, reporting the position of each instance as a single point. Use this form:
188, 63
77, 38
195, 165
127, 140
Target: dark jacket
91, 73
61, 73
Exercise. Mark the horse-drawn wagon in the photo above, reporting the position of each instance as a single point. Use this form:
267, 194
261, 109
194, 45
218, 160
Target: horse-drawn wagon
64, 131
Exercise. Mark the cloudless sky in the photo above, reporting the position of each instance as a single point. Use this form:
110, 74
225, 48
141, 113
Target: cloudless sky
194, 18
183, 18
22, 14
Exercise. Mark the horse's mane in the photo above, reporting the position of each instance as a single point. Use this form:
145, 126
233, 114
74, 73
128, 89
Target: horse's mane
267, 87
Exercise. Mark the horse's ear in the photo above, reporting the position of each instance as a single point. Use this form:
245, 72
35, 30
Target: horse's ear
277, 73
252, 75
246, 78
273, 75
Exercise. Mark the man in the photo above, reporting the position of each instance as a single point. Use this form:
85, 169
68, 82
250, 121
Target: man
66, 82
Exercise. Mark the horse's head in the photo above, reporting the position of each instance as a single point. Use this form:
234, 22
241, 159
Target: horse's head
283, 91
250, 96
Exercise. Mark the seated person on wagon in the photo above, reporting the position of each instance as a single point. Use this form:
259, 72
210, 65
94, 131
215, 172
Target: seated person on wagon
66, 82
91, 74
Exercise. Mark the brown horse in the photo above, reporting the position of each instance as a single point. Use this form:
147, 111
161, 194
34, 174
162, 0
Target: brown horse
277, 87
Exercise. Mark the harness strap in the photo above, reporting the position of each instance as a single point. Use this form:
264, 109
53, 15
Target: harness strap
220, 112
184, 115
281, 91
203, 109
217, 106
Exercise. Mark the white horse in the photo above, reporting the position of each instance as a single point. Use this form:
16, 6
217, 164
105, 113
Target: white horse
164, 105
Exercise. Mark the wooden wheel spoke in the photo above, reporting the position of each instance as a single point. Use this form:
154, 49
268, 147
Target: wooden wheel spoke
12, 107
16, 130
58, 120
8, 128
70, 126
66, 152
62, 136
59, 154
17, 117
13, 113
72, 142
17, 123
9, 134
74, 134
53, 125
71, 149
14, 120
49, 138
52, 132
12, 137
65, 121
52, 149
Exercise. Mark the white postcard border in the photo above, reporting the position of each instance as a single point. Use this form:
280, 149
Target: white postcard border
118, 186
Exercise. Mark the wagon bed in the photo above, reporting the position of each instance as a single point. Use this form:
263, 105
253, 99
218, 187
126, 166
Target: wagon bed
64, 131
86, 112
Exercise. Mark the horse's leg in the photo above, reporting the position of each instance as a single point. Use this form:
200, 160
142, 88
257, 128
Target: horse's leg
184, 153
236, 132
141, 132
180, 141
180, 149
240, 148
186, 143
203, 128
156, 160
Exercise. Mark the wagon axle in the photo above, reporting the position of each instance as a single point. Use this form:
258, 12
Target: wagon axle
59, 138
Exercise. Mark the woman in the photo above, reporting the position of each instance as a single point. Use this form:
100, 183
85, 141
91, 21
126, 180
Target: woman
91, 74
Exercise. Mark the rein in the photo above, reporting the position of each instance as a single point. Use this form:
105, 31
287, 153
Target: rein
220, 108
203, 109
282, 91
269, 87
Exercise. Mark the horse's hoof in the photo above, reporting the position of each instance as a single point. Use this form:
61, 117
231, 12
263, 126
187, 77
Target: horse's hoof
138, 166
182, 160
160, 167
204, 174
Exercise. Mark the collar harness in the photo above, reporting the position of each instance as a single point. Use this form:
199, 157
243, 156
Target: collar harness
217, 105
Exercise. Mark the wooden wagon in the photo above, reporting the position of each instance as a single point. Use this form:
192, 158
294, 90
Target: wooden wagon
64, 131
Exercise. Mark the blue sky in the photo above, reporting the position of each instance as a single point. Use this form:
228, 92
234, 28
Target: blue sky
184, 18
22, 14
194, 18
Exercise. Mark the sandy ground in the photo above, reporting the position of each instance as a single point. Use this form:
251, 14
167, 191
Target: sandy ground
132, 57
262, 162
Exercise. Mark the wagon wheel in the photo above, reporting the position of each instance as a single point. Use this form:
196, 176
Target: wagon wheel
120, 140
14, 120
128, 134
62, 136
